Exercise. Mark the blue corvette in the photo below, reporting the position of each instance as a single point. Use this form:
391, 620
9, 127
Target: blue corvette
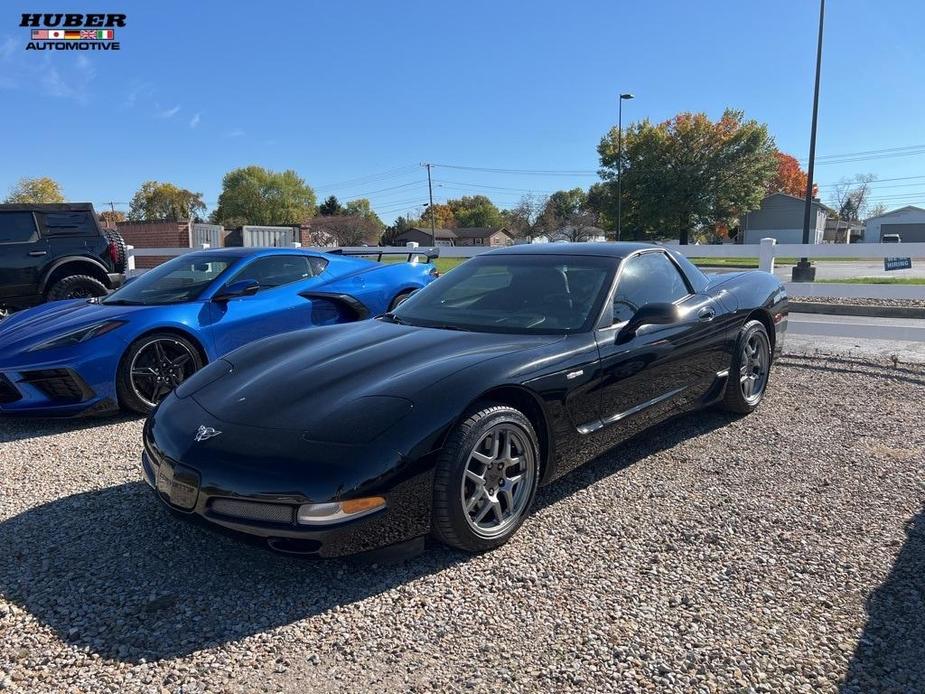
132, 348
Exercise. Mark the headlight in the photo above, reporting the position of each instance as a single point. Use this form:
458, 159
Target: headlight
75, 337
337, 511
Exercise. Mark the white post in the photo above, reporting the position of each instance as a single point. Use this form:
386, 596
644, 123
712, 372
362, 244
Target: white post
412, 244
766, 255
130, 260
296, 244
205, 246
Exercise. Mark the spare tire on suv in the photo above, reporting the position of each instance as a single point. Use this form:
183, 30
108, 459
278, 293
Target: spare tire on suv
118, 252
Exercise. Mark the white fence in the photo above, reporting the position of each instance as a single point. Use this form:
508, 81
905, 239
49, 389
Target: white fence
766, 252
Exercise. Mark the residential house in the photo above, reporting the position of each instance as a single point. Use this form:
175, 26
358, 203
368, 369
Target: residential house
781, 217
908, 222
467, 236
840, 231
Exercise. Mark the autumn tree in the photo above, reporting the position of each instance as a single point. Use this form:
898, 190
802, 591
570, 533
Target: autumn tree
475, 211
111, 217
330, 207
790, 178
689, 173
164, 201
442, 214
35, 191
255, 195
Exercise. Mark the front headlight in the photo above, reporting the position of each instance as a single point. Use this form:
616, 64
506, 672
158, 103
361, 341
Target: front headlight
337, 511
76, 337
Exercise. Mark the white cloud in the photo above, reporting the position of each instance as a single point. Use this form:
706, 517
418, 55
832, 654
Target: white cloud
194, 121
167, 112
71, 85
234, 132
138, 91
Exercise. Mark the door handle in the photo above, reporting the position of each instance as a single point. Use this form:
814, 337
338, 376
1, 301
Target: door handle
35, 254
706, 314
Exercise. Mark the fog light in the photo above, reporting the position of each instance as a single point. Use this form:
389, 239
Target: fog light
337, 511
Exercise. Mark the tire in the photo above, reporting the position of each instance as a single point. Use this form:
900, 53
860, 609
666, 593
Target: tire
140, 391
748, 375
399, 300
121, 258
76, 287
485, 432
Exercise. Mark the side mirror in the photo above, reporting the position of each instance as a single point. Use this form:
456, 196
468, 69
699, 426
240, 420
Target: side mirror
650, 314
237, 289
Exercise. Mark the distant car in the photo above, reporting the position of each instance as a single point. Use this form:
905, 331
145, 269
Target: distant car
444, 415
892, 238
133, 347
53, 252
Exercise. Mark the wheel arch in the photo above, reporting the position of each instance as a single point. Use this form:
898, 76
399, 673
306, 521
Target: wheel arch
73, 265
174, 330
764, 317
524, 400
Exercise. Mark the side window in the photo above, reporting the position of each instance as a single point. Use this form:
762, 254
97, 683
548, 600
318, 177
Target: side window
275, 270
68, 224
17, 227
647, 279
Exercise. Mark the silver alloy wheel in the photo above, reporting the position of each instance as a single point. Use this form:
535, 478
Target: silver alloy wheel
753, 374
158, 367
499, 477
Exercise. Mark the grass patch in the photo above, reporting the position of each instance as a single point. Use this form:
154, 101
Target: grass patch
875, 280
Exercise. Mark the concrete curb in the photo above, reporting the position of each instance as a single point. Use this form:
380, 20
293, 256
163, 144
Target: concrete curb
857, 310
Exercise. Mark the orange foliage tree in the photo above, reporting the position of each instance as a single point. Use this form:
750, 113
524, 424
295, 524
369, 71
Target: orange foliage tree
790, 178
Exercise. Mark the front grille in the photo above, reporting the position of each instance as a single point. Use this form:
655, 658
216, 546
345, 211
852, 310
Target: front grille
58, 384
8, 392
254, 511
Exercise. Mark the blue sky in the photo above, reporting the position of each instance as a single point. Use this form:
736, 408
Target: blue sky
354, 95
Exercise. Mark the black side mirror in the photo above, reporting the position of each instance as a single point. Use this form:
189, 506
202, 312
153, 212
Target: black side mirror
237, 289
650, 314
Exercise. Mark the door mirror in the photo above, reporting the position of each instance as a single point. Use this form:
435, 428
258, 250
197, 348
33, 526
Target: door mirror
650, 314
237, 289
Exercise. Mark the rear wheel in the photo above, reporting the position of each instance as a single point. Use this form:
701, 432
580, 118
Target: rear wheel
152, 367
486, 479
76, 287
751, 365
399, 300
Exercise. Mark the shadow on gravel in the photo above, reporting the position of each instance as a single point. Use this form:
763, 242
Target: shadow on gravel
890, 655
112, 571
14, 429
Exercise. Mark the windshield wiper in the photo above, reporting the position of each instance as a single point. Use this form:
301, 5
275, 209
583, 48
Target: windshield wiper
444, 326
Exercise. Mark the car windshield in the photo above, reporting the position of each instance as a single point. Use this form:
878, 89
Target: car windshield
539, 294
176, 281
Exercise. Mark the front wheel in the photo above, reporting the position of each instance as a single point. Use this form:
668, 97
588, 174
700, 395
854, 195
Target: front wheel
751, 366
486, 479
152, 367
399, 300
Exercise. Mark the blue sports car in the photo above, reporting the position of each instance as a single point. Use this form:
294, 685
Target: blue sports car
132, 348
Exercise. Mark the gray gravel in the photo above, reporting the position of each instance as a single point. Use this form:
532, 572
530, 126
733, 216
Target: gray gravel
780, 552
857, 301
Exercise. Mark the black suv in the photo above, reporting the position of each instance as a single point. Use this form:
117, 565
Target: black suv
51, 252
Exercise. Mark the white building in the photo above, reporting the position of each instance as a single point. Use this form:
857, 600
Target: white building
908, 222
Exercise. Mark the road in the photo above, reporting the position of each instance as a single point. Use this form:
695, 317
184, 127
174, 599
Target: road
832, 270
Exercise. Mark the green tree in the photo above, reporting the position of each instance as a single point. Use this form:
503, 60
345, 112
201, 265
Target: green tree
164, 201
522, 217
255, 195
35, 191
602, 201
330, 207
690, 173
361, 207
475, 211
560, 207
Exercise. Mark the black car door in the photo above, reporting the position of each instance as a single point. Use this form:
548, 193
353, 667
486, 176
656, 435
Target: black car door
21, 255
661, 368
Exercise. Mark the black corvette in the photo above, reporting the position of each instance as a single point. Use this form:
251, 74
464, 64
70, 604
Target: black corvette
443, 416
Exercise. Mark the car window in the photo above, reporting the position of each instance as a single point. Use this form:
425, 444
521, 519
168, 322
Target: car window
17, 227
646, 279
67, 223
177, 281
275, 270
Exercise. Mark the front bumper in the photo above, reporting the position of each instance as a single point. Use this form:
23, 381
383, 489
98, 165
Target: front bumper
260, 503
56, 390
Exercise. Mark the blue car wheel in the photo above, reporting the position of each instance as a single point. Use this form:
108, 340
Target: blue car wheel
153, 366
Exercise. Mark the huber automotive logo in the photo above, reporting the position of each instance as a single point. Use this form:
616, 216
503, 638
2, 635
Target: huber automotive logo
72, 32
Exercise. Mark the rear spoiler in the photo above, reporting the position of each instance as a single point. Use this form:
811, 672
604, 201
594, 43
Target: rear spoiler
430, 253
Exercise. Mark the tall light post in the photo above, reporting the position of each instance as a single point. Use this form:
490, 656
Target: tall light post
803, 271
623, 97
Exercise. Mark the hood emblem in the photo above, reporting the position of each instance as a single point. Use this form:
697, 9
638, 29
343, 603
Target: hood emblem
204, 433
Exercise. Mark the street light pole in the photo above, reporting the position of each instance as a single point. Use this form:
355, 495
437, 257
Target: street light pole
803, 271
620, 164
430, 207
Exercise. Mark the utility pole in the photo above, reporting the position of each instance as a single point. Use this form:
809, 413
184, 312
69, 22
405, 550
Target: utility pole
430, 207
803, 271
623, 97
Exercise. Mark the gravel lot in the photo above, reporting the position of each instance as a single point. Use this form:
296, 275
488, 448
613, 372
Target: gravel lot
780, 552
859, 301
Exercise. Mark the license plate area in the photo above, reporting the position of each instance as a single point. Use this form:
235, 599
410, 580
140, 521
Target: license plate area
178, 484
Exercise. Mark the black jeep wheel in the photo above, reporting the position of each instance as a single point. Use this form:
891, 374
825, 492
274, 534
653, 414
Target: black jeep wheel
76, 287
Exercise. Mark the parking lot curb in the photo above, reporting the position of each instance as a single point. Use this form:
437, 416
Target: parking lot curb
857, 310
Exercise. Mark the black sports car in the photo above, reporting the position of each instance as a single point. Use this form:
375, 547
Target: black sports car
444, 415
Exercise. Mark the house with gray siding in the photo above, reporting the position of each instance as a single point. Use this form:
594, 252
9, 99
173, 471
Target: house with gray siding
908, 222
781, 217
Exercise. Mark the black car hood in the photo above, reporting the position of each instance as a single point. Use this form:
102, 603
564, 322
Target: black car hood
293, 380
